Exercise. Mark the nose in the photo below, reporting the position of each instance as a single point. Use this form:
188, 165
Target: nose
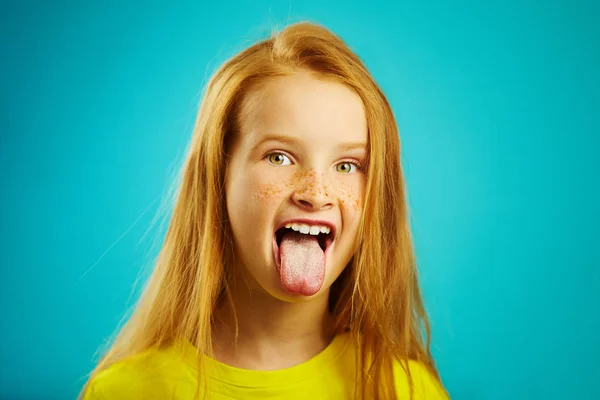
311, 193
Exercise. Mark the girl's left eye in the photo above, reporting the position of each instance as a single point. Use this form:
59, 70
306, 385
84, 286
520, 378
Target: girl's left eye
279, 159
347, 167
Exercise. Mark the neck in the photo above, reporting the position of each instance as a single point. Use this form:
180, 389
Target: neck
271, 333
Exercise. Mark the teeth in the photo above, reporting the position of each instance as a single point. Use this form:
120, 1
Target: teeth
307, 229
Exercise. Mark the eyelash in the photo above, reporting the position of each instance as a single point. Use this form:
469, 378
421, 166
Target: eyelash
357, 164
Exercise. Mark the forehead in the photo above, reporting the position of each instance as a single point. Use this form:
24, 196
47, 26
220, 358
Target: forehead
305, 106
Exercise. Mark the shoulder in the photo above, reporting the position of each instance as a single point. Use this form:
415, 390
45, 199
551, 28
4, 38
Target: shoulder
425, 384
155, 373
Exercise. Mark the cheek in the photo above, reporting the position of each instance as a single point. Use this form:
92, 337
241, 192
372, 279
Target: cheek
268, 192
351, 196
276, 186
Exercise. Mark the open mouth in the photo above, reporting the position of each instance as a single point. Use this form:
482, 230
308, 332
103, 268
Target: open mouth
324, 239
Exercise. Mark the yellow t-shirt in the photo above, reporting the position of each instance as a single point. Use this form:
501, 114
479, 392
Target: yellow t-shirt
170, 373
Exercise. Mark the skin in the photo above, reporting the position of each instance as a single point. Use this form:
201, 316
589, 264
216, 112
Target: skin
290, 160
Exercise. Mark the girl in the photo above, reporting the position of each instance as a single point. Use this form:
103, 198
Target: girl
287, 270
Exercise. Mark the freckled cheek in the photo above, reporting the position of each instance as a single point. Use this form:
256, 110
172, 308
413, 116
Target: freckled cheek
267, 187
271, 185
268, 192
351, 196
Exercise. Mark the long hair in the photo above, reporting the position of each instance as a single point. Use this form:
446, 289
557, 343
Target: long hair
376, 299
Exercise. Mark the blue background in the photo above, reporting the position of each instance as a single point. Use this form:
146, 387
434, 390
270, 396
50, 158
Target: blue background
498, 107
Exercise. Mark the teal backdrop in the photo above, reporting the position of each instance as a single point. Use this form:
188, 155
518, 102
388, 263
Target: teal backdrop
498, 107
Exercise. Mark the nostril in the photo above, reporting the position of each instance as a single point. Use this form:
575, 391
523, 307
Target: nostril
305, 203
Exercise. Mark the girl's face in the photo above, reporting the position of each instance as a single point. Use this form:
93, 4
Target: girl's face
295, 174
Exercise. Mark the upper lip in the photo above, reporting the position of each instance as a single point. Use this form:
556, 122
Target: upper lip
308, 221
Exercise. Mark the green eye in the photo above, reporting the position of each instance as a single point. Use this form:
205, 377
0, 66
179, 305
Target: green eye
346, 167
278, 159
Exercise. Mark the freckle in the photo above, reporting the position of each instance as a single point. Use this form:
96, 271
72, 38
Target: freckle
268, 191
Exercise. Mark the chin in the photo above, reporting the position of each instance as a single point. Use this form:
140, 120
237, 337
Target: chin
281, 294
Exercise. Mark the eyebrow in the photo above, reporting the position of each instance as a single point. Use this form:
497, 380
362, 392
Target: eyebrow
294, 141
353, 145
277, 138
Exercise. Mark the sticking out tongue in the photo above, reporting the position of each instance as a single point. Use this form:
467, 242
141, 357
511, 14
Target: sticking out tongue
302, 263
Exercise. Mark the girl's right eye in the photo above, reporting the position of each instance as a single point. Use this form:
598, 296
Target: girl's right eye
279, 159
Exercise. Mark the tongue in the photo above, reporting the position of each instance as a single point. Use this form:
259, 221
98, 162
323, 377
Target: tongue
302, 263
